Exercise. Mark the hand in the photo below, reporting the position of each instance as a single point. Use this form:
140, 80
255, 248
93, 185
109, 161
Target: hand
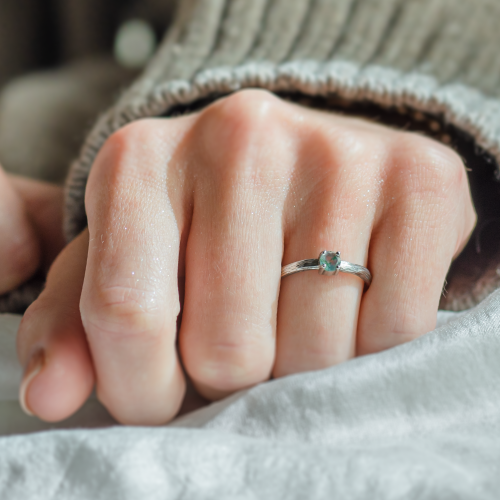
220, 199
30, 228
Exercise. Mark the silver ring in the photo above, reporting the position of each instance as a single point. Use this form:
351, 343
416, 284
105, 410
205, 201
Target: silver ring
329, 264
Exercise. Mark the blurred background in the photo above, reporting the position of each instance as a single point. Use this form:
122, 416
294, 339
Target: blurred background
62, 63
37, 34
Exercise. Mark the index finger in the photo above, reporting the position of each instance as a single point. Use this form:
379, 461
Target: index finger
130, 299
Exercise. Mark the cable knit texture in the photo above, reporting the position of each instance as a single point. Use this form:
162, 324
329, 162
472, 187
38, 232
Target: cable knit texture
435, 56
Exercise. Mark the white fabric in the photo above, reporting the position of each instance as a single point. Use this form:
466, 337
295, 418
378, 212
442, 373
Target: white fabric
418, 421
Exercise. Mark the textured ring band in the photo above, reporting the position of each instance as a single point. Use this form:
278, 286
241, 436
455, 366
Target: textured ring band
329, 264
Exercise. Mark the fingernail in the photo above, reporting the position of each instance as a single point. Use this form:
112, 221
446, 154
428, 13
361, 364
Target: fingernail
33, 368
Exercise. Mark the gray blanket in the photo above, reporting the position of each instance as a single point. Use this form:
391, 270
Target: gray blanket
418, 421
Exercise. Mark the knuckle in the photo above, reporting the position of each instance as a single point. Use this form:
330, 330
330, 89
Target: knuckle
345, 147
123, 312
339, 159
350, 143
231, 366
244, 123
246, 108
436, 169
356, 148
127, 162
128, 136
137, 407
385, 326
124, 145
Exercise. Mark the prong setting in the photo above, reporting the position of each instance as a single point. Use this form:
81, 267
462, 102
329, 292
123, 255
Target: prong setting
329, 263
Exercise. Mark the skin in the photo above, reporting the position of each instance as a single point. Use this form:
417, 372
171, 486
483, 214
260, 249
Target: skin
219, 200
31, 220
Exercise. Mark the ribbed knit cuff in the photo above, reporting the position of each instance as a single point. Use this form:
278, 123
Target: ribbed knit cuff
434, 56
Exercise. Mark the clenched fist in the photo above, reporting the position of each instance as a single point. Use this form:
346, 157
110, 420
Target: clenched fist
214, 203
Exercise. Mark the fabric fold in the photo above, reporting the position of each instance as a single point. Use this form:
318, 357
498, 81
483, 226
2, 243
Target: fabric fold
416, 421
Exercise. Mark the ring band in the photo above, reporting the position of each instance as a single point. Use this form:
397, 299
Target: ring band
329, 264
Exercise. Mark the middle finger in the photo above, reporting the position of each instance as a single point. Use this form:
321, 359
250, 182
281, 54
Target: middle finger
317, 315
234, 250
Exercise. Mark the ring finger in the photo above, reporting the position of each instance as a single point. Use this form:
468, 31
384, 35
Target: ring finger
317, 315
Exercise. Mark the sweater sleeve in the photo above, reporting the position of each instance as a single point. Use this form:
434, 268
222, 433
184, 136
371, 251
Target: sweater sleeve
436, 57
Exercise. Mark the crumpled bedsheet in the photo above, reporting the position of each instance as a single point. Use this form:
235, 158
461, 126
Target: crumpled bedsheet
420, 421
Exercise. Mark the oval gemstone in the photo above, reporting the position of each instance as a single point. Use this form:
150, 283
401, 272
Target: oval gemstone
330, 261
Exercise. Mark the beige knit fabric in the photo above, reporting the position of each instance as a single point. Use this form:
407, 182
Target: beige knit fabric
437, 56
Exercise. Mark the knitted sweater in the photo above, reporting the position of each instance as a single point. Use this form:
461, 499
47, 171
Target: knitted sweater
394, 59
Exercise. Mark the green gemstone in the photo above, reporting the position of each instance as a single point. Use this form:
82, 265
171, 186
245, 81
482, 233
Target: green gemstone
330, 261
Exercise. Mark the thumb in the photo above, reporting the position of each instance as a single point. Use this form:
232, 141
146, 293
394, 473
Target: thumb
43, 203
20, 252
51, 341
